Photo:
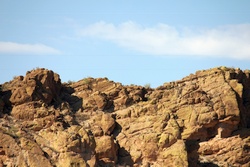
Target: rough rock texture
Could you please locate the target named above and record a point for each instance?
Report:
(38, 85)
(201, 120)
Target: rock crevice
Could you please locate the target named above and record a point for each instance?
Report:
(201, 120)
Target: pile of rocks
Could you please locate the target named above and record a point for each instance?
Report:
(200, 120)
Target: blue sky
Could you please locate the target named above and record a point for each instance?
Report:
(132, 42)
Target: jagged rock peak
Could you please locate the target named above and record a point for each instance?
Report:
(39, 84)
(200, 120)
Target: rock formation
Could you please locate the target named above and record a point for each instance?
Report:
(201, 120)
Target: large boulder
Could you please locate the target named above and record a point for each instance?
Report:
(231, 151)
(106, 150)
(24, 153)
(67, 146)
(38, 85)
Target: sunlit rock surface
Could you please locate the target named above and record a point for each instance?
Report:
(201, 120)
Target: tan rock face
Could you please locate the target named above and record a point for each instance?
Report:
(201, 120)
(40, 84)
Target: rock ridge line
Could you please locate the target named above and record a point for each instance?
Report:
(200, 120)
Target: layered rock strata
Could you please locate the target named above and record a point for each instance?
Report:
(201, 120)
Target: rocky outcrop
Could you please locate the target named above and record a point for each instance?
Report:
(201, 120)
(38, 85)
(104, 95)
(231, 151)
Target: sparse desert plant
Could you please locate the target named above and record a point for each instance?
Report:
(87, 80)
(70, 81)
(4, 87)
(147, 86)
(10, 130)
(37, 68)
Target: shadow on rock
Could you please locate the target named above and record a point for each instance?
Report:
(124, 157)
(117, 129)
(207, 165)
(192, 147)
(5, 105)
(74, 102)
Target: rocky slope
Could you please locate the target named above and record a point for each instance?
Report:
(201, 120)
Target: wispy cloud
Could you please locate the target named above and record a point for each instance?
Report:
(231, 41)
(19, 48)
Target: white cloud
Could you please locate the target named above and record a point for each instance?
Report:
(18, 48)
(231, 41)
